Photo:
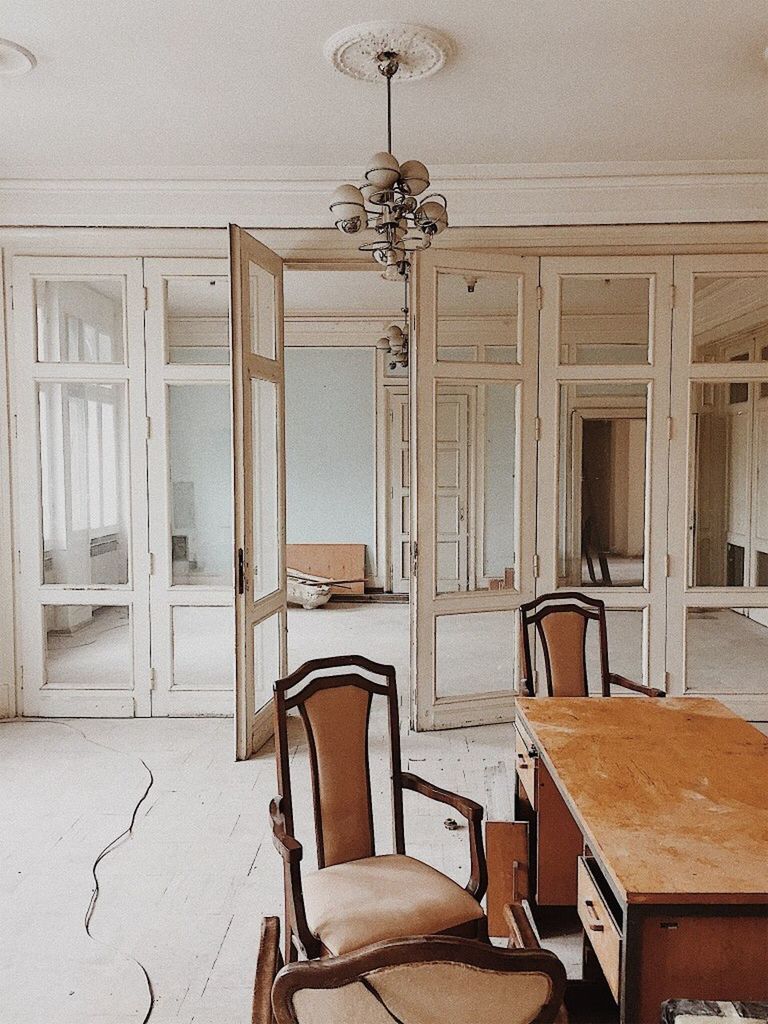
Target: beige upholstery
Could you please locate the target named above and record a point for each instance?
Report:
(337, 723)
(429, 993)
(564, 634)
(351, 905)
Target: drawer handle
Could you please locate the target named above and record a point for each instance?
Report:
(595, 925)
(522, 762)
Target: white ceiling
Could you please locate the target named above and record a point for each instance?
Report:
(148, 86)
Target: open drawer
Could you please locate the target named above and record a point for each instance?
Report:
(526, 764)
(599, 922)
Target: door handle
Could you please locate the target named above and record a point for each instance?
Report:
(240, 571)
(595, 925)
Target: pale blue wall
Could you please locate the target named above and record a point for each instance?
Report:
(330, 426)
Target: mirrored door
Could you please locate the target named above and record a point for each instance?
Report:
(258, 391)
(603, 458)
(473, 433)
(80, 486)
(190, 486)
(718, 588)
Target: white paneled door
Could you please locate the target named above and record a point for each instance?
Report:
(189, 406)
(473, 379)
(258, 391)
(80, 432)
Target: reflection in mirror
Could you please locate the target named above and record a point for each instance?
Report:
(730, 318)
(265, 501)
(726, 650)
(604, 320)
(625, 650)
(84, 464)
(262, 311)
(728, 526)
(197, 320)
(602, 472)
(474, 653)
(477, 317)
(88, 646)
(200, 484)
(80, 321)
(203, 648)
(266, 657)
(475, 486)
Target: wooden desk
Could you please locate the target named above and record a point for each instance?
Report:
(651, 817)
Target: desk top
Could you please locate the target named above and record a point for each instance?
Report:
(671, 795)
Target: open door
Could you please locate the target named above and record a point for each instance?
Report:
(258, 393)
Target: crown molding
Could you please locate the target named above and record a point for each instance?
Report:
(478, 195)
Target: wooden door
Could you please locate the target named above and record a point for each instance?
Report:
(605, 341)
(81, 486)
(258, 390)
(189, 406)
(473, 378)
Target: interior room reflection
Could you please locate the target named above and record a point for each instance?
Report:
(478, 317)
(602, 472)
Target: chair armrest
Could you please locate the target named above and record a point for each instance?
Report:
(268, 963)
(290, 849)
(469, 809)
(628, 684)
(521, 931)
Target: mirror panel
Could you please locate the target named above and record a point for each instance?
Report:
(477, 317)
(203, 648)
(730, 318)
(88, 646)
(80, 321)
(602, 484)
(197, 320)
(604, 320)
(726, 649)
(475, 653)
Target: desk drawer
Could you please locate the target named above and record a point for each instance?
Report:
(599, 925)
(526, 765)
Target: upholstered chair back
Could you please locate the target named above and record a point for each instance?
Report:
(425, 980)
(561, 621)
(334, 702)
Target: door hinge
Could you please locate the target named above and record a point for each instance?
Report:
(669, 428)
(240, 571)
(151, 564)
(537, 428)
(414, 558)
(15, 427)
(146, 297)
(10, 291)
(666, 566)
(152, 678)
(536, 566)
(148, 428)
(539, 297)
(672, 296)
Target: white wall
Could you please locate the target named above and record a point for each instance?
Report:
(330, 414)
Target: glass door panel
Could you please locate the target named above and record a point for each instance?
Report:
(474, 472)
(603, 474)
(718, 587)
(258, 384)
(190, 486)
(80, 470)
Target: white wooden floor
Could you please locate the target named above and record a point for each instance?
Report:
(184, 895)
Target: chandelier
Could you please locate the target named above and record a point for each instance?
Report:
(388, 200)
(394, 341)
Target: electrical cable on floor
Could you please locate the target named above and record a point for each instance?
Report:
(112, 845)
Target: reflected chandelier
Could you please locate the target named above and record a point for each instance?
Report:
(387, 201)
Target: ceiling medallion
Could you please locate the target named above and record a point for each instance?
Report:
(15, 59)
(386, 201)
(422, 51)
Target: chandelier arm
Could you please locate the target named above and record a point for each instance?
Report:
(389, 113)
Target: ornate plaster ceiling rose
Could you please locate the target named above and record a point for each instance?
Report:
(421, 51)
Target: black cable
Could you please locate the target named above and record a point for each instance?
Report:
(112, 845)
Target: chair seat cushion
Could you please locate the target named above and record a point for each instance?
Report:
(351, 905)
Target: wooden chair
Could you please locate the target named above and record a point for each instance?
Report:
(356, 897)
(561, 621)
(418, 980)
